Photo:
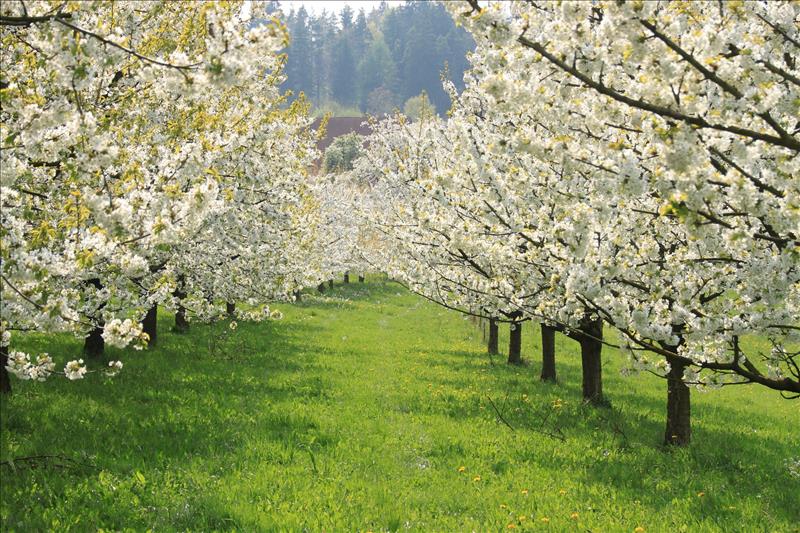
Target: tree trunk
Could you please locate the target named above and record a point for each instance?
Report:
(230, 309)
(181, 324)
(297, 296)
(361, 279)
(150, 325)
(493, 337)
(679, 427)
(330, 283)
(347, 276)
(515, 343)
(94, 345)
(5, 379)
(321, 288)
(591, 350)
(548, 353)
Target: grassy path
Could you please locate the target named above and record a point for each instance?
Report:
(368, 409)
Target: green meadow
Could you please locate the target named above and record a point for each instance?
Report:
(371, 409)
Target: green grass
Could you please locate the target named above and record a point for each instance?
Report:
(356, 413)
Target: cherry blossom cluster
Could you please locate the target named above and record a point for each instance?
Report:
(630, 162)
(147, 158)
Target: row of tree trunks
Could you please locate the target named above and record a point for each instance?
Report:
(330, 283)
(361, 279)
(515, 347)
(347, 276)
(321, 288)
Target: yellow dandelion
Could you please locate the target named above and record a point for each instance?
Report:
(639, 529)
(544, 520)
(476, 478)
(574, 516)
(503, 506)
(562, 492)
(701, 494)
(522, 518)
(524, 492)
(462, 468)
(511, 526)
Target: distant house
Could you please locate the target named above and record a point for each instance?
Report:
(338, 126)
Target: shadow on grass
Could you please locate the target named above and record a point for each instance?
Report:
(194, 405)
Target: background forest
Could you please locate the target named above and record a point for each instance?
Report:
(356, 62)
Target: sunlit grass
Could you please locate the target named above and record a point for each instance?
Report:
(368, 409)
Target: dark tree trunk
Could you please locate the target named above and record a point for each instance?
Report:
(181, 324)
(548, 353)
(94, 345)
(150, 325)
(297, 296)
(330, 283)
(361, 279)
(679, 426)
(591, 350)
(515, 343)
(230, 308)
(321, 288)
(493, 337)
(347, 277)
(5, 379)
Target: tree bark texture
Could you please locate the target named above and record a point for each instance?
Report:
(5, 378)
(181, 324)
(94, 345)
(515, 343)
(548, 353)
(150, 325)
(591, 337)
(492, 347)
(679, 423)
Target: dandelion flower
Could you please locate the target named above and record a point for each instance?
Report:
(544, 520)
(462, 468)
(476, 478)
(639, 529)
(574, 516)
